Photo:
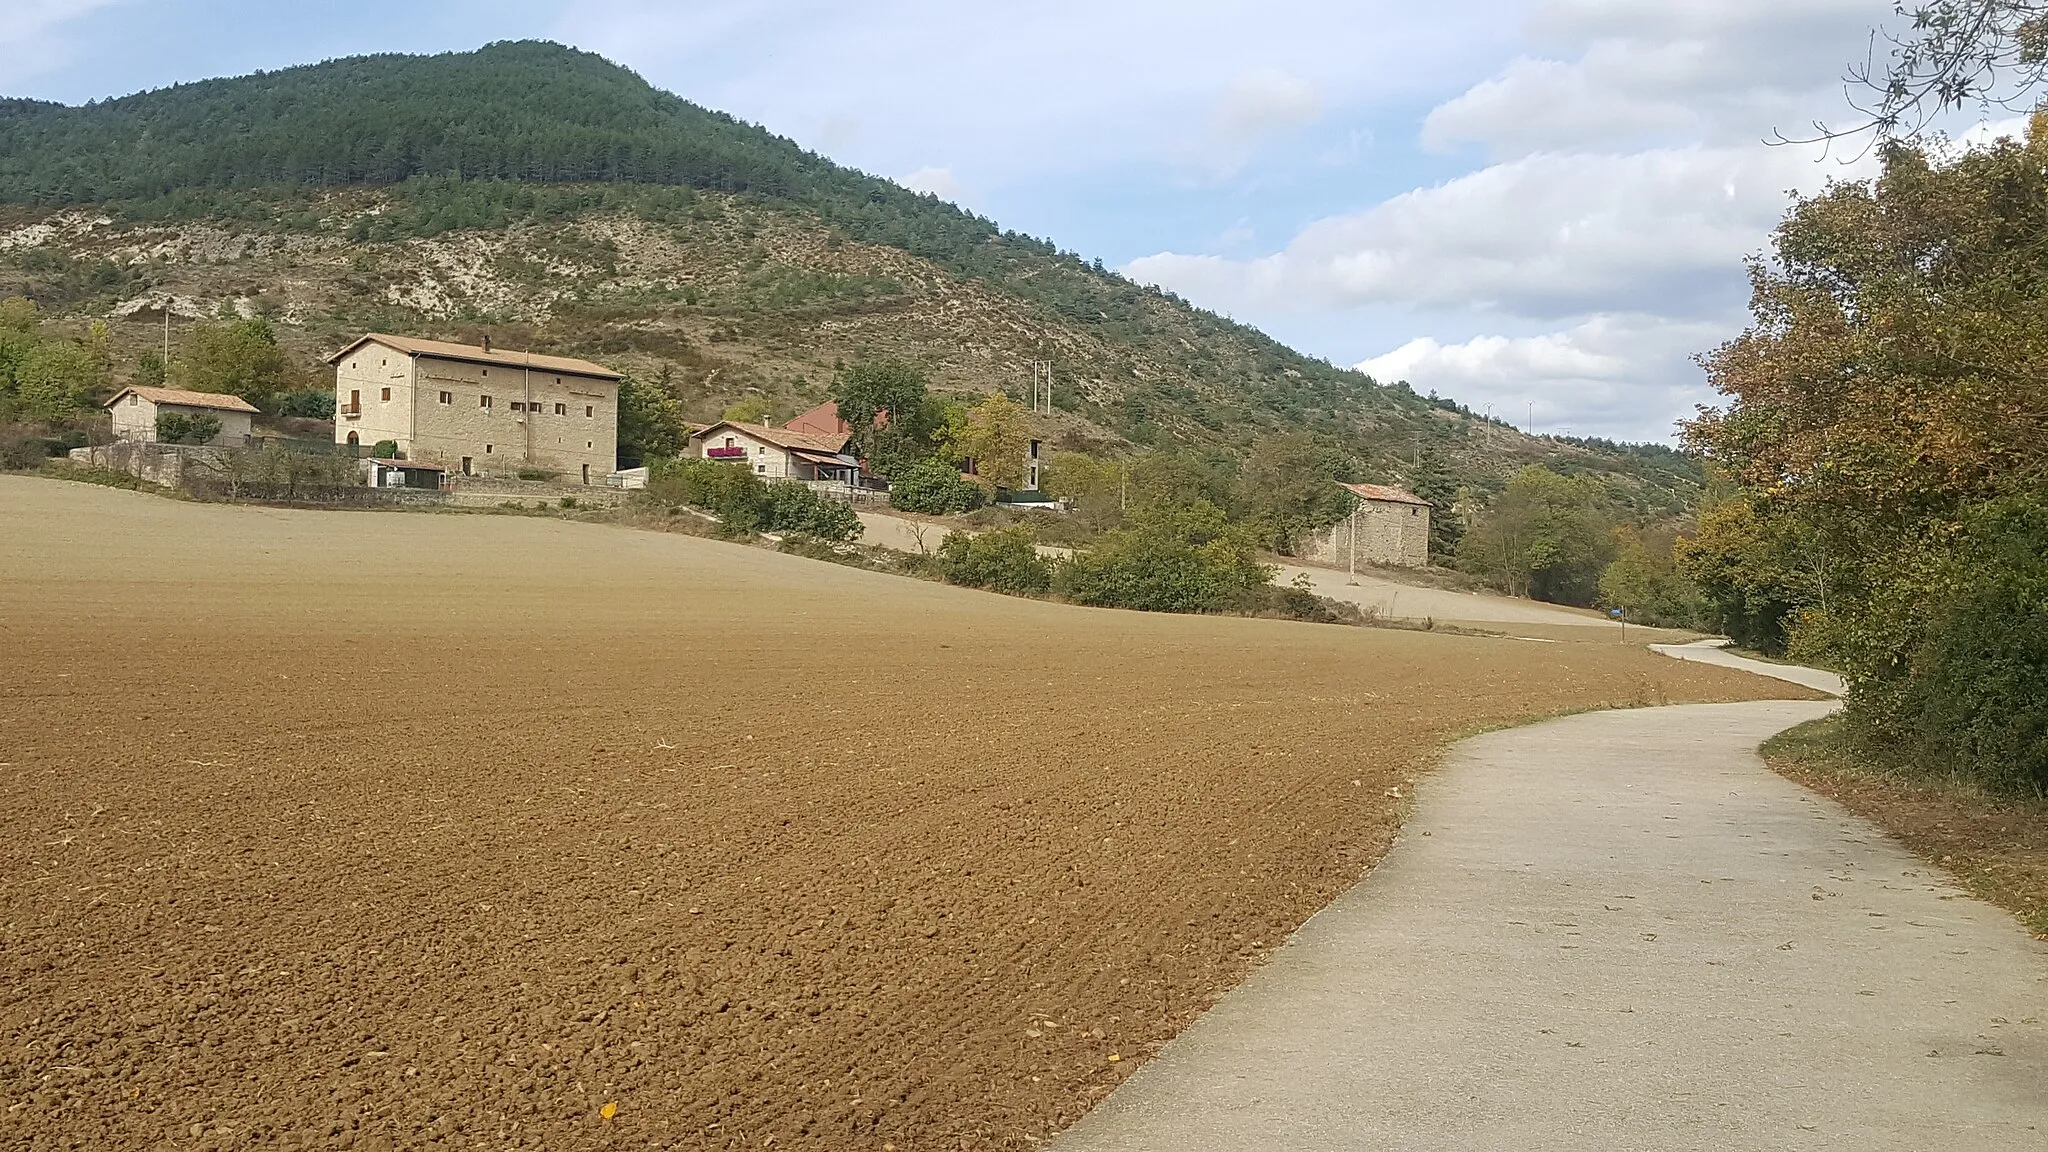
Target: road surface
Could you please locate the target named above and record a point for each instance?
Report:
(1620, 930)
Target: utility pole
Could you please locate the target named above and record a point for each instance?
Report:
(1354, 542)
(1041, 370)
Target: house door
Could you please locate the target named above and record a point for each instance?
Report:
(586, 473)
(354, 441)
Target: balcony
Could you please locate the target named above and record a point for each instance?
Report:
(349, 411)
(725, 453)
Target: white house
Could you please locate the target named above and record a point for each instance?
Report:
(779, 453)
(136, 409)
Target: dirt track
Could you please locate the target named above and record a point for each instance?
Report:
(381, 830)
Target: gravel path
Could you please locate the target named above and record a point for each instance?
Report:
(1619, 930)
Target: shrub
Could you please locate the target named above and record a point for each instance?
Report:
(744, 504)
(178, 428)
(1972, 700)
(935, 488)
(792, 507)
(312, 404)
(1179, 562)
(568, 501)
(538, 474)
(385, 450)
(1004, 560)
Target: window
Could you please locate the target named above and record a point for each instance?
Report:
(561, 409)
(728, 441)
(134, 399)
(487, 371)
(518, 407)
(465, 465)
(760, 467)
(487, 449)
(589, 411)
(447, 398)
(385, 394)
(483, 401)
(590, 443)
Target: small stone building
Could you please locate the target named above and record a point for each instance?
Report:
(478, 411)
(135, 410)
(1390, 527)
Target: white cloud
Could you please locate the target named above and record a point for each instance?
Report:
(939, 182)
(1544, 237)
(1623, 376)
(1253, 111)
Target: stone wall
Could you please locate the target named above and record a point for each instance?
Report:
(1389, 532)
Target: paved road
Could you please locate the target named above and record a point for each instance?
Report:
(1715, 652)
(1620, 931)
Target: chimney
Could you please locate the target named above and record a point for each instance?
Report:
(487, 341)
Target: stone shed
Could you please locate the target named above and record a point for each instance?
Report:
(1390, 527)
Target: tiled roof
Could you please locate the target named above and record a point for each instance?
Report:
(477, 355)
(780, 437)
(186, 399)
(407, 465)
(1388, 494)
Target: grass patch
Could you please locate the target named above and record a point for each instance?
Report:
(1995, 846)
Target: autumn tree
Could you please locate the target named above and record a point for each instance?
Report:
(994, 433)
(1892, 387)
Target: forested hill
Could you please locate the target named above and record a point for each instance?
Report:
(669, 228)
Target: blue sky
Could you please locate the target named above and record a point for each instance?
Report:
(1521, 203)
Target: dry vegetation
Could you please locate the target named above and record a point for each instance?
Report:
(374, 830)
(1997, 847)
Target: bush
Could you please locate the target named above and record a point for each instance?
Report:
(1179, 562)
(744, 504)
(792, 507)
(178, 428)
(385, 450)
(311, 404)
(538, 474)
(1972, 700)
(935, 488)
(1004, 560)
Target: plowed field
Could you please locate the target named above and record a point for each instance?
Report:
(375, 830)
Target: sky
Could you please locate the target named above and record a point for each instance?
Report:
(1541, 208)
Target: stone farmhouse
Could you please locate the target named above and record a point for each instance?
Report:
(1391, 526)
(478, 411)
(816, 457)
(134, 411)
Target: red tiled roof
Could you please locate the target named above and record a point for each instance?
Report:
(185, 399)
(405, 465)
(1385, 493)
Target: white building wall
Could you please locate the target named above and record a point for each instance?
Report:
(763, 459)
(134, 418)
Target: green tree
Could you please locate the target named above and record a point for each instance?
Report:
(241, 358)
(650, 423)
(1432, 481)
(53, 379)
(887, 403)
(1545, 537)
(751, 409)
(1289, 488)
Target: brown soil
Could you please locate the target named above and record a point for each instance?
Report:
(372, 830)
(1994, 846)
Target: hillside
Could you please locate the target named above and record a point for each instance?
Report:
(562, 202)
